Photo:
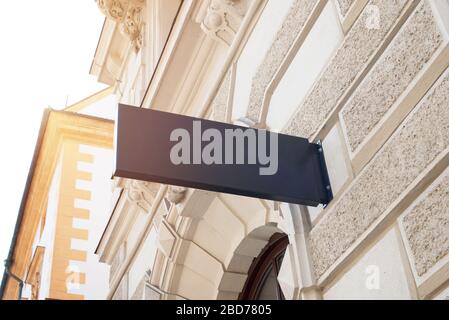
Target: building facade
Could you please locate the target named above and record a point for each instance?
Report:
(65, 206)
(367, 78)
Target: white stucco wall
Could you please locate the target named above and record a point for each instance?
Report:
(104, 108)
(254, 52)
(319, 47)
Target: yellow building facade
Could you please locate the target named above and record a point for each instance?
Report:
(52, 249)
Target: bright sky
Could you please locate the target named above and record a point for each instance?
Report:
(47, 47)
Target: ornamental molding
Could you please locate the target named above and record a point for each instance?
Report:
(141, 194)
(221, 19)
(176, 194)
(128, 14)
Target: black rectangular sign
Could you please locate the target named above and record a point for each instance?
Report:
(179, 150)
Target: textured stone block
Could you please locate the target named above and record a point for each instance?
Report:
(359, 45)
(407, 55)
(283, 41)
(427, 227)
(345, 5)
(422, 137)
(220, 102)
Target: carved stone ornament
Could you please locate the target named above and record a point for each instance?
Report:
(176, 194)
(128, 15)
(222, 19)
(141, 194)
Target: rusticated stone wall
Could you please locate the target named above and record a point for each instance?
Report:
(359, 45)
(408, 54)
(345, 5)
(427, 227)
(418, 142)
(283, 41)
(389, 77)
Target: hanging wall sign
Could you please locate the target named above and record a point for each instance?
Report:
(202, 154)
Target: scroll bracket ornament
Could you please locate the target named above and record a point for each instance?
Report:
(128, 14)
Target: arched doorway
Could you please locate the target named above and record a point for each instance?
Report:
(262, 283)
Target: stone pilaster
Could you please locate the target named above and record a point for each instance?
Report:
(297, 278)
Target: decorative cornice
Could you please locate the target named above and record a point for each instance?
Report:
(128, 14)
